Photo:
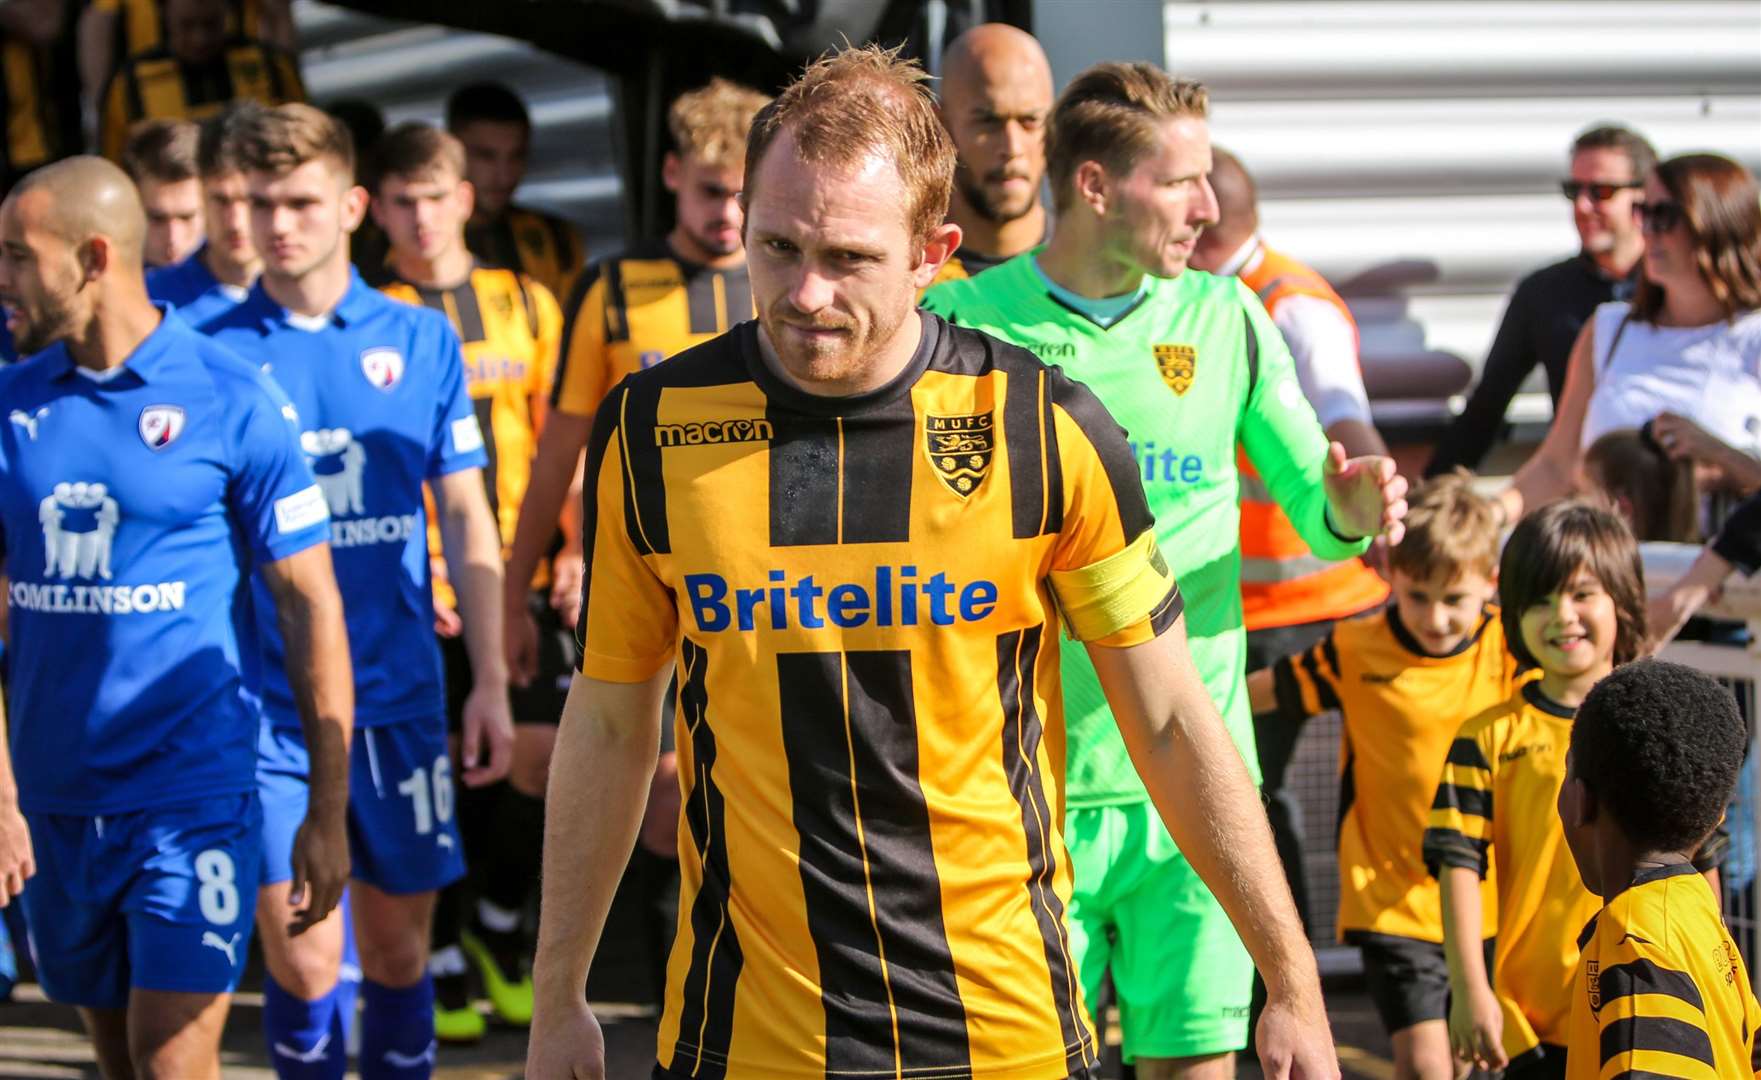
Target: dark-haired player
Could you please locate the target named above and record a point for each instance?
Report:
(1660, 989)
(160, 157)
(495, 127)
(220, 272)
(509, 325)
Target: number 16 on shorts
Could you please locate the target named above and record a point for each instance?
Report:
(403, 837)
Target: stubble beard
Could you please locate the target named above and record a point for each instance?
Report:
(53, 321)
(976, 197)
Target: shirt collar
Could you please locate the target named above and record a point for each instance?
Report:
(1643, 877)
(355, 304)
(150, 358)
(1247, 258)
(1533, 695)
(1404, 637)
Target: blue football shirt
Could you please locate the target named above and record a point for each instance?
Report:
(380, 389)
(192, 289)
(132, 510)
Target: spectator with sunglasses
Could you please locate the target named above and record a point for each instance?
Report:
(1608, 167)
(1688, 344)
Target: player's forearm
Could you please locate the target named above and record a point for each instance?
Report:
(599, 777)
(472, 547)
(570, 518)
(1461, 929)
(553, 471)
(309, 611)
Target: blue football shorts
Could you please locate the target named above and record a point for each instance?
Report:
(155, 899)
(402, 834)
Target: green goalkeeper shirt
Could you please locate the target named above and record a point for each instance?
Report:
(1191, 372)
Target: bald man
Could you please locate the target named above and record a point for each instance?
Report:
(996, 94)
(173, 468)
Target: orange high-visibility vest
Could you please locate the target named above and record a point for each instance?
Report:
(1282, 582)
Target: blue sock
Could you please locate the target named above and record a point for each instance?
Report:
(305, 1037)
(397, 1031)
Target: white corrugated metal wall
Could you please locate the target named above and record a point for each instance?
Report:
(1411, 151)
(409, 69)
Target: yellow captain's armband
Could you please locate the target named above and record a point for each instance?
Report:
(1115, 593)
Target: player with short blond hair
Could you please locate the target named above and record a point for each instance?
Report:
(1192, 366)
(846, 524)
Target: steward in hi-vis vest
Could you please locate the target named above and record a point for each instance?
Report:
(1282, 582)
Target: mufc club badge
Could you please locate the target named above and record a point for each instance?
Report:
(1177, 363)
(160, 425)
(383, 366)
(959, 447)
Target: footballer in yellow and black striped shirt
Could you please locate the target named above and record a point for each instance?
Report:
(492, 123)
(642, 305)
(509, 325)
(1660, 988)
(860, 533)
(30, 129)
(198, 68)
(110, 31)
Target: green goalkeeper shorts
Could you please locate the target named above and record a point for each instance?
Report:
(1183, 980)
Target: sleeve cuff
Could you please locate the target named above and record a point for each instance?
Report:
(1441, 856)
(1332, 527)
(459, 463)
(282, 547)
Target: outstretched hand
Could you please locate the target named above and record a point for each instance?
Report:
(1366, 495)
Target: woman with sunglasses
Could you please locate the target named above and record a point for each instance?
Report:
(1687, 345)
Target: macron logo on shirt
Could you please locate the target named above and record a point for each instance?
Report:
(79, 520)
